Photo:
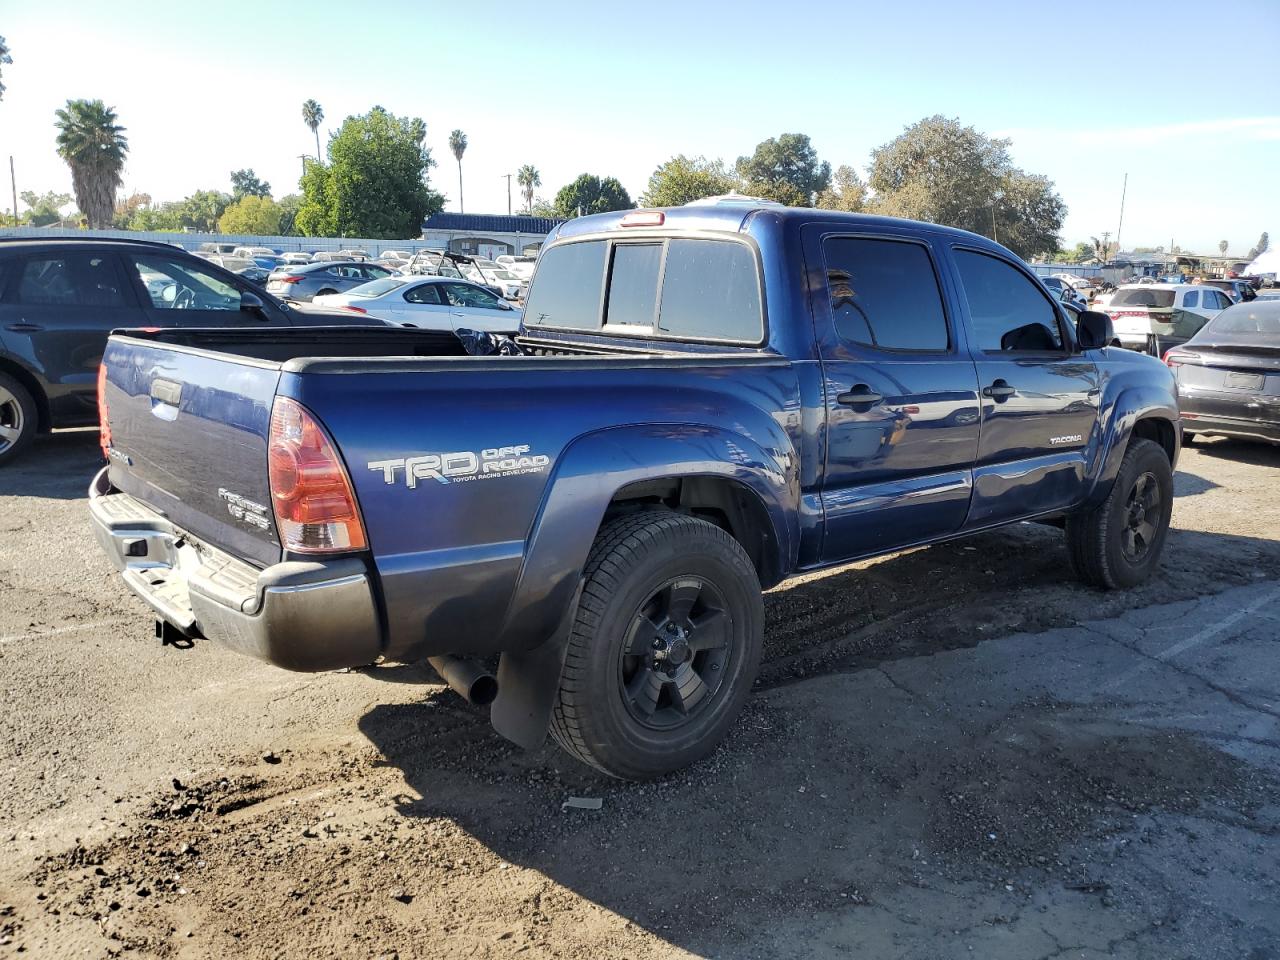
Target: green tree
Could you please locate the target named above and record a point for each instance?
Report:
(312, 114)
(290, 204)
(375, 184)
(458, 146)
(683, 179)
(252, 214)
(1261, 247)
(5, 60)
(847, 192)
(44, 208)
(203, 209)
(785, 169)
(528, 178)
(245, 183)
(165, 218)
(942, 172)
(543, 208)
(591, 194)
(94, 147)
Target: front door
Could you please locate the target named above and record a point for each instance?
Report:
(1039, 393)
(56, 310)
(901, 393)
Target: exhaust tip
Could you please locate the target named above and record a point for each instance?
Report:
(484, 690)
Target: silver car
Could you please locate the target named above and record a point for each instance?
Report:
(302, 282)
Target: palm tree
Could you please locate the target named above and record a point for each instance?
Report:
(312, 114)
(94, 146)
(4, 59)
(528, 178)
(1222, 247)
(458, 144)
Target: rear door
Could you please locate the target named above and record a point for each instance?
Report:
(1039, 394)
(56, 310)
(901, 393)
(178, 292)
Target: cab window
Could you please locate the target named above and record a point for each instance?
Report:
(1008, 313)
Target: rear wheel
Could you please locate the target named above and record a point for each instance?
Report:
(664, 647)
(18, 418)
(1118, 543)
(325, 292)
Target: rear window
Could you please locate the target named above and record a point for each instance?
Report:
(694, 289)
(1138, 297)
(1252, 323)
(375, 288)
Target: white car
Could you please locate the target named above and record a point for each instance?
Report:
(431, 303)
(1139, 310)
(296, 257)
(490, 274)
(522, 267)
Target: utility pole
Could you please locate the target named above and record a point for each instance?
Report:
(1106, 235)
(1123, 191)
(13, 182)
(304, 157)
(508, 176)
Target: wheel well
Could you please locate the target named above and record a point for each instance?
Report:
(24, 377)
(730, 505)
(1159, 430)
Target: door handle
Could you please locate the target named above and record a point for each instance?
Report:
(860, 395)
(23, 327)
(999, 391)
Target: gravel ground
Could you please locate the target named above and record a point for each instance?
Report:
(953, 752)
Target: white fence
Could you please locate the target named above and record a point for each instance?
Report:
(192, 241)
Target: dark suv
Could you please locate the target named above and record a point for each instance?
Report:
(60, 297)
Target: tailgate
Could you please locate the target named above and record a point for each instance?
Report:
(188, 436)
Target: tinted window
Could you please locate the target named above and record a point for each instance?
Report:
(566, 287)
(1192, 299)
(465, 295)
(1255, 323)
(710, 291)
(424, 293)
(1007, 311)
(884, 294)
(76, 279)
(633, 284)
(1139, 297)
(181, 285)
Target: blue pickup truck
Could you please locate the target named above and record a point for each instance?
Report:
(706, 400)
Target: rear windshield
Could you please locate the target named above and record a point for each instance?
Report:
(375, 288)
(677, 288)
(1256, 323)
(1137, 297)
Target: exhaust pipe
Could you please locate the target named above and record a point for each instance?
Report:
(474, 684)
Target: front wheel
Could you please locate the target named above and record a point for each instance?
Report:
(664, 646)
(1118, 543)
(19, 419)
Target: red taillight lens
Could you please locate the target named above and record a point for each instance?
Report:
(315, 505)
(1171, 359)
(355, 309)
(104, 425)
(289, 279)
(644, 218)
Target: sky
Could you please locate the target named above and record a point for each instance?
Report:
(1087, 92)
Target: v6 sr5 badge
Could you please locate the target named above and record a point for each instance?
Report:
(462, 466)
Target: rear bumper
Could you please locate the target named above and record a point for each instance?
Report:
(299, 615)
(1223, 414)
(1215, 426)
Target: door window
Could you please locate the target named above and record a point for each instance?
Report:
(180, 285)
(885, 295)
(465, 295)
(427, 293)
(74, 279)
(1192, 299)
(1008, 313)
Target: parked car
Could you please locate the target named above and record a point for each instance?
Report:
(1064, 291)
(60, 297)
(603, 512)
(431, 303)
(251, 253)
(1229, 374)
(521, 266)
(508, 285)
(295, 257)
(301, 283)
(386, 255)
(444, 263)
(1239, 291)
(1142, 310)
(329, 256)
(227, 249)
(356, 254)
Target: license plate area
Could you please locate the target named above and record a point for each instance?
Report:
(1244, 381)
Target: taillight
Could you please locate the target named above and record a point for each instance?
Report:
(315, 505)
(104, 427)
(290, 279)
(1171, 359)
(354, 309)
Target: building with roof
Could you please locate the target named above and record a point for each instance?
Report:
(487, 235)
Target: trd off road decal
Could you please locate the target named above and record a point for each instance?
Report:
(462, 466)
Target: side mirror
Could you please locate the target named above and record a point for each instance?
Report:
(253, 303)
(1094, 330)
(504, 305)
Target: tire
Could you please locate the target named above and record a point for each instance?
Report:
(1188, 439)
(1117, 545)
(19, 419)
(322, 293)
(636, 716)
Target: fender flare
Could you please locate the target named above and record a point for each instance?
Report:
(1117, 420)
(587, 477)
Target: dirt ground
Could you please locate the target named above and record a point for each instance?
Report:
(952, 752)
